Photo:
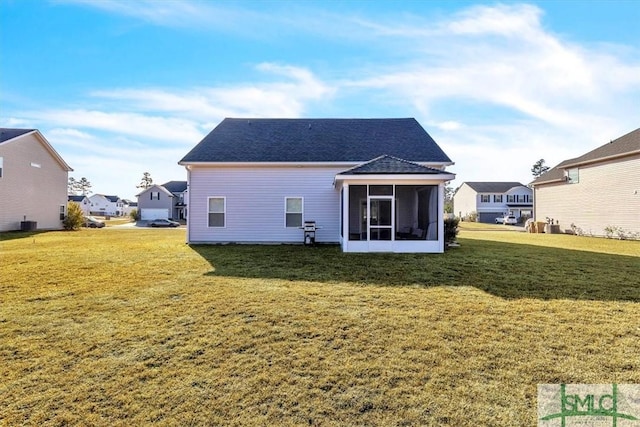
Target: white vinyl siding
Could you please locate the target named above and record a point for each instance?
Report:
(293, 211)
(217, 209)
(254, 198)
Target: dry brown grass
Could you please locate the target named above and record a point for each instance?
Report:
(133, 327)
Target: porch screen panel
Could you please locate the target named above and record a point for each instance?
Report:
(357, 212)
(428, 211)
(432, 230)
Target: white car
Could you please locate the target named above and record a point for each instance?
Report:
(507, 219)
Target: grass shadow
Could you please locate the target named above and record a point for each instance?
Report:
(506, 270)
(17, 234)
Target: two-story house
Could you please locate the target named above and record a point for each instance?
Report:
(490, 200)
(105, 205)
(33, 181)
(83, 202)
(163, 201)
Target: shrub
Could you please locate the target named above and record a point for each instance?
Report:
(451, 229)
(74, 218)
(134, 214)
(471, 217)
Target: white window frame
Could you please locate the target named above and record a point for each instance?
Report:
(224, 211)
(485, 198)
(1, 166)
(63, 212)
(301, 213)
(576, 173)
(497, 198)
(157, 193)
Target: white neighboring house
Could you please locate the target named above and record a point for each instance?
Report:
(33, 181)
(104, 205)
(493, 199)
(83, 202)
(369, 184)
(128, 206)
(598, 190)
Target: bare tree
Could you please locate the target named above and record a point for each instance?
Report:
(83, 186)
(72, 186)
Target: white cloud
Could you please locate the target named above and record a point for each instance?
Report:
(495, 87)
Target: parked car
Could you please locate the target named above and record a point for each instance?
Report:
(92, 222)
(163, 223)
(507, 219)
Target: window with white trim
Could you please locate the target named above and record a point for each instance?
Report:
(497, 198)
(1, 167)
(155, 195)
(63, 212)
(217, 211)
(293, 211)
(573, 176)
(485, 198)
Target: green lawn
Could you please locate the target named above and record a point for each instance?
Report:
(132, 327)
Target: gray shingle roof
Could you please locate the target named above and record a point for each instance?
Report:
(626, 144)
(9, 133)
(175, 186)
(492, 187)
(74, 198)
(390, 165)
(316, 140)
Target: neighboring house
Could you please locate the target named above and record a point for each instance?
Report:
(83, 202)
(155, 202)
(596, 190)
(493, 199)
(33, 181)
(179, 191)
(104, 205)
(128, 206)
(369, 184)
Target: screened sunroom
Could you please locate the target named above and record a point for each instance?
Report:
(391, 205)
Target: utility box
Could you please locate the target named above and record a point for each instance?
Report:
(28, 225)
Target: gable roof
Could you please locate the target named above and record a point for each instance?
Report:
(8, 133)
(626, 145)
(492, 187)
(175, 186)
(315, 140)
(157, 187)
(386, 164)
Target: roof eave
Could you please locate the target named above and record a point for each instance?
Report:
(340, 164)
(601, 159)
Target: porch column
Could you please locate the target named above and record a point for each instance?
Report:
(441, 216)
(345, 216)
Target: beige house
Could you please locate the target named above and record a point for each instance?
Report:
(596, 191)
(33, 181)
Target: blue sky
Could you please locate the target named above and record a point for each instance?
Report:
(125, 87)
